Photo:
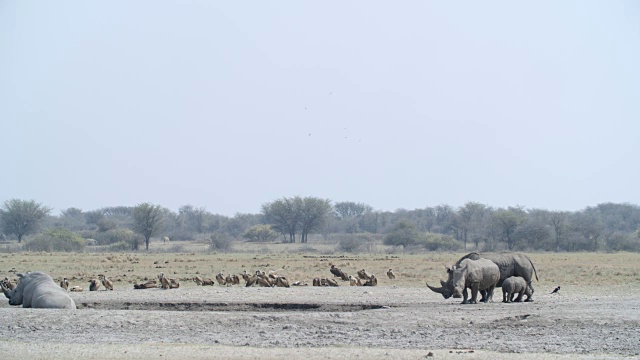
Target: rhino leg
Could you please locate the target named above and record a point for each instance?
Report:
(483, 294)
(474, 293)
(530, 295)
(465, 296)
(520, 296)
(490, 294)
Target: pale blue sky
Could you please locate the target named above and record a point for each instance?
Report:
(408, 104)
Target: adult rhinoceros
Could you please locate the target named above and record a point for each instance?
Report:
(38, 290)
(476, 275)
(510, 264)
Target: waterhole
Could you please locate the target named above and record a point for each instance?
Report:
(207, 306)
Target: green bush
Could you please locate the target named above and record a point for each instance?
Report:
(260, 233)
(114, 236)
(440, 242)
(349, 244)
(121, 246)
(220, 242)
(52, 240)
(404, 233)
(623, 242)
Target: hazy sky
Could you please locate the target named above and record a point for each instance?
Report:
(229, 105)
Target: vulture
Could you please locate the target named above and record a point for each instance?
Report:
(363, 275)
(64, 284)
(316, 282)
(164, 282)
(390, 274)
(94, 285)
(282, 281)
(220, 279)
(108, 284)
(337, 272)
(331, 282)
(372, 281)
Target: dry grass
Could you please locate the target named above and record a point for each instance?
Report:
(578, 270)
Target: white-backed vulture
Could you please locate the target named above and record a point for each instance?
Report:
(236, 279)
(373, 281)
(164, 282)
(317, 282)
(282, 281)
(198, 280)
(391, 275)
(264, 281)
(108, 284)
(64, 284)
(174, 284)
(339, 273)
(148, 285)
(94, 285)
(246, 277)
(220, 279)
(229, 280)
(363, 275)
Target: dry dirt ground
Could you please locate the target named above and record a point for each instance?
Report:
(311, 322)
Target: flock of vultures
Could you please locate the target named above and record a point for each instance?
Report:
(479, 273)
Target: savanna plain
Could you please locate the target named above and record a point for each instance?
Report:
(596, 314)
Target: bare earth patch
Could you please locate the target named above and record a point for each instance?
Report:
(311, 322)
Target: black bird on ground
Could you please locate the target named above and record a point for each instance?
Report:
(555, 291)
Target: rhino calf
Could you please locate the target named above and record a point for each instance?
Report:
(514, 285)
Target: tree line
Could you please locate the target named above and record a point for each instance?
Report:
(473, 226)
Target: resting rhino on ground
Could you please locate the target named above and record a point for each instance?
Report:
(481, 274)
(510, 264)
(514, 285)
(38, 290)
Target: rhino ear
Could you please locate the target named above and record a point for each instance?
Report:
(443, 284)
(20, 275)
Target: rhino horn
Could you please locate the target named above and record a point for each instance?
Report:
(435, 289)
(443, 284)
(5, 290)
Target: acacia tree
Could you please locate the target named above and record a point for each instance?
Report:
(507, 221)
(147, 219)
(466, 216)
(313, 213)
(284, 215)
(22, 217)
(346, 209)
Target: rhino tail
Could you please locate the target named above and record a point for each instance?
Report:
(534, 268)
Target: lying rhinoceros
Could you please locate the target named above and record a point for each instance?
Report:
(510, 264)
(38, 290)
(481, 274)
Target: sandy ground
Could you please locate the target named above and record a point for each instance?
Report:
(313, 322)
